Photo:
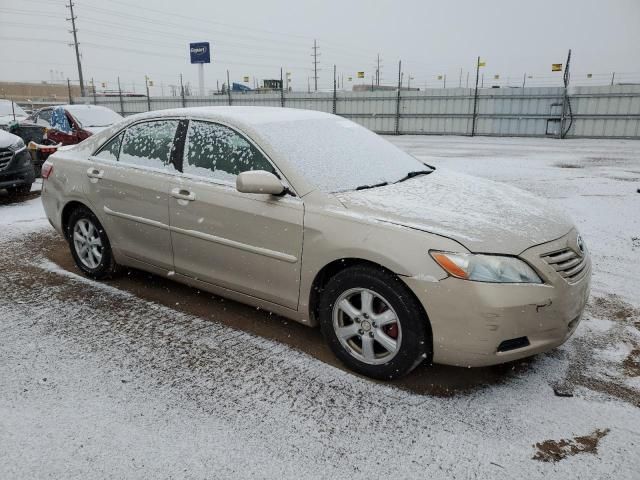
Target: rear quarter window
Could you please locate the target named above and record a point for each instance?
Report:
(111, 149)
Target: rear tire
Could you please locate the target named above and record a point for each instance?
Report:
(373, 323)
(90, 245)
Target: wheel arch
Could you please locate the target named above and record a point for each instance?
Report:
(67, 210)
(336, 266)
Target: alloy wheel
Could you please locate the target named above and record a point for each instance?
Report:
(87, 243)
(367, 326)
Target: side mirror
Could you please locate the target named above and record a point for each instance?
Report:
(259, 181)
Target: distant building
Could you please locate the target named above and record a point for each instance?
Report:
(22, 92)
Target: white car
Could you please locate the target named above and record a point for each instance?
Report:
(10, 112)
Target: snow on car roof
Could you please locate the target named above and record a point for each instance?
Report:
(240, 114)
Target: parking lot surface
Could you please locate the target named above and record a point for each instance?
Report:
(140, 377)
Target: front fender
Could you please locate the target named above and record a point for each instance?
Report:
(332, 234)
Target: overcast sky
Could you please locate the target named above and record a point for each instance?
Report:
(256, 37)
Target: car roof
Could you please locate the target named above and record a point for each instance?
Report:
(248, 116)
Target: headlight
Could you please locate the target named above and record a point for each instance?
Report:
(486, 268)
(19, 145)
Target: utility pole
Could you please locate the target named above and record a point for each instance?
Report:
(334, 90)
(397, 125)
(120, 95)
(475, 100)
(229, 85)
(613, 77)
(74, 30)
(565, 99)
(460, 81)
(146, 84)
(524, 79)
(70, 97)
(93, 87)
(315, 56)
(182, 92)
(281, 89)
(378, 71)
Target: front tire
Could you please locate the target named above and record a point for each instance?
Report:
(90, 245)
(373, 323)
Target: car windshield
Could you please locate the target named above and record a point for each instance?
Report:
(90, 116)
(7, 109)
(338, 155)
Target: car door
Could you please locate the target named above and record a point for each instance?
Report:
(128, 184)
(244, 242)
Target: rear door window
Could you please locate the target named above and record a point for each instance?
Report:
(215, 151)
(149, 144)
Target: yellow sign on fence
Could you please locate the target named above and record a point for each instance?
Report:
(360, 74)
(556, 67)
(482, 63)
(245, 79)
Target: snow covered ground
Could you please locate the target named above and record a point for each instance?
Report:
(101, 381)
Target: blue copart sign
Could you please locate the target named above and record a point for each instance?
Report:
(200, 52)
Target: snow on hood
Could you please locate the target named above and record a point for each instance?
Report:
(482, 215)
(7, 119)
(7, 139)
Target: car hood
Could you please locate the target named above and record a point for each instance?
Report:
(7, 119)
(7, 139)
(482, 215)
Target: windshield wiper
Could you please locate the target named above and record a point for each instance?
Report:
(414, 174)
(364, 187)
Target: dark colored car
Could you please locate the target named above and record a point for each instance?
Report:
(16, 169)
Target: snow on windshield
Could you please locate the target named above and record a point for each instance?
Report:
(338, 155)
(6, 109)
(90, 116)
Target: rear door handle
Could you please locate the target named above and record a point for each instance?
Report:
(182, 194)
(95, 173)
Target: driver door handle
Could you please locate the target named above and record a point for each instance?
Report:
(95, 173)
(183, 194)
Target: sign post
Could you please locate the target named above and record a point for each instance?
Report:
(200, 54)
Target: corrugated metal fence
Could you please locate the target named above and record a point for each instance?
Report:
(606, 111)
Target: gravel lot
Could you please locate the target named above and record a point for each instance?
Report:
(144, 378)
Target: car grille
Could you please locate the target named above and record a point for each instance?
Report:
(5, 157)
(569, 264)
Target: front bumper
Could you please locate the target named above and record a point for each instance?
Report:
(472, 322)
(18, 171)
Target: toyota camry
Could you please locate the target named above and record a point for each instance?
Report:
(318, 219)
